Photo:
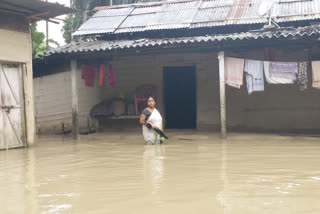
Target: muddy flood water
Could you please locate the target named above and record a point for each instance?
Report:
(191, 173)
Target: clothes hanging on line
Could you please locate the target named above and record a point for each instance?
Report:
(88, 74)
(101, 74)
(274, 80)
(303, 75)
(254, 75)
(111, 79)
(316, 74)
(286, 70)
(234, 71)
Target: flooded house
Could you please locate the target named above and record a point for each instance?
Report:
(184, 54)
(17, 124)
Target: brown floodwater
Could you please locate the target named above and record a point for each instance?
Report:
(115, 172)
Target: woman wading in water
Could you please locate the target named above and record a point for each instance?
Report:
(152, 116)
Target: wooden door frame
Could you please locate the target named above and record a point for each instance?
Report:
(20, 69)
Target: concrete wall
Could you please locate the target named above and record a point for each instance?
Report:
(53, 102)
(280, 108)
(15, 46)
(131, 72)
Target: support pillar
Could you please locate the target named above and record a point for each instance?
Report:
(222, 95)
(74, 92)
(29, 103)
(27, 76)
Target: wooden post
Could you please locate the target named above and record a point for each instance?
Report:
(27, 74)
(222, 95)
(74, 91)
(29, 102)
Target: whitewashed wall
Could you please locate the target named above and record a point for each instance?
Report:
(53, 101)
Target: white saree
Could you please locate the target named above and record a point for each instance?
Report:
(150, 136)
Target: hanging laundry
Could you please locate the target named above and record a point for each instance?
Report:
(274, 80)
(111, 79)
(88, 74)
(302, 75)
(234, 71)
(101, 74)
(287, 70)
(316, 74)
(254, 75)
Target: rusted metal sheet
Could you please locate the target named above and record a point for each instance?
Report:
(194, 14)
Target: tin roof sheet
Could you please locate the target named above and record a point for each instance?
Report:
(78, 47)
(194, 14)
(42, 9)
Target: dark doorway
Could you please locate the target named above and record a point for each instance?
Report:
(180, 97)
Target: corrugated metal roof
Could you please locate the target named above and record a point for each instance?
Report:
(44, 9)
(104, 21)
(194, 14)
(79, 47)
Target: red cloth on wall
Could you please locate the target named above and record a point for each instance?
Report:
(111, 79)
(88, 74)
(101, 74)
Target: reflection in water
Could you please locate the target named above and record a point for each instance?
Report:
(117, 173)
(153, 166)
(31, 185)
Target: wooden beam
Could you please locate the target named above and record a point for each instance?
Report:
(49, 20)
(59, 19)
(37, 14)
(222, 95)
(75, 106)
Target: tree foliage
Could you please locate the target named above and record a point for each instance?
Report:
(38, 42)
(84, 10)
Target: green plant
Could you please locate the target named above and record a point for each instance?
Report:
(39, 46)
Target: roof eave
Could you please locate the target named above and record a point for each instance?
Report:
(34, 10)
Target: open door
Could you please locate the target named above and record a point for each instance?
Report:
(180, 97)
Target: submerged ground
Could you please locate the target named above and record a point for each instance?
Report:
(114, 172)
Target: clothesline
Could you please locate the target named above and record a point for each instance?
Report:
(274, 73)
